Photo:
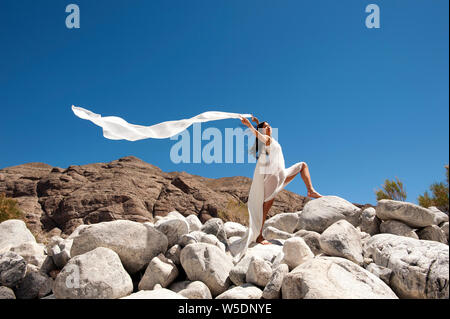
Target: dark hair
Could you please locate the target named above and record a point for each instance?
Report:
(260, 125)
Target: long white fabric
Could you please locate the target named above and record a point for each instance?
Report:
(116, 128)
(268, 178)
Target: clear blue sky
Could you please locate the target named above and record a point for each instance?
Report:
(358, 105)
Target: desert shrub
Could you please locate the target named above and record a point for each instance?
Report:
(235, 211)
(9, 208)
(391, 190)
(439, 195)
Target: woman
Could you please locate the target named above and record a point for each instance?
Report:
(269, 178)
(271, 166)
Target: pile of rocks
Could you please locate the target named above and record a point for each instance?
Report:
(330, 249)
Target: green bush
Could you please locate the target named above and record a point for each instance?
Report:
(9, 208)
(439, 195)
(235, 211)
(391, 190)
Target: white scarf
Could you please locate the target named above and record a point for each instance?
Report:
(116, 128)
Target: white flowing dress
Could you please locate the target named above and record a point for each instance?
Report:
(268, 178)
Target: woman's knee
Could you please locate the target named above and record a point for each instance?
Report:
(301, 166)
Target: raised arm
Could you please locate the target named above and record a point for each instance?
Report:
(254, 119)
(262, 137)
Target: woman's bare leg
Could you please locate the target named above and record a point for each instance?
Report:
(304, 172)
(307, 180)
(266, 207)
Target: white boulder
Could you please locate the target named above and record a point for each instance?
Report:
(209, 264)
(320, 213)
(259, 272)
(135, 243)
(234, 229)
(273, 287)
(14, 232)
(342, 240)
(419, 267)
(160, 270)
(434, 233)
(286, 222)
(398, 228)
(173, 228)
(333, 278)
(245, 291)
(193, 222)
(412, 215)
(97, 274)
(296, 251)
(191, 289)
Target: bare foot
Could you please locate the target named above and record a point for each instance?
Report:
(262, 241)
(312, 193)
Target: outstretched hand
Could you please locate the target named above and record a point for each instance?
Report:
(254, 119)
(245, 121)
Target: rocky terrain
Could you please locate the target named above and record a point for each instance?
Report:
(149, 234)
(329, 249)
(58, 200)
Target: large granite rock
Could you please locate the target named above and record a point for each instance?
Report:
(13, 269)
(444, 228)
(191, 238)
(333, 278)
(433, 232)
(160, 271)
(311, 238)
(191, 289)
(412, 215)
(215, 226)
(398, 228)
(246, 291)
(193, 222)
(296, 251)
(320, 213)
(266, 252)
(419, 267)
(59, 250)
(381, 272)
(370, 223)
(439, 216)
(342, 240)
(259, 272)
(208, 264)
(270, 233)
(173, 253)
(32, 252)
(173, 228)
(286, 222)
(34, 285)
(234, 229)
(97, 274)
(6, 293)
(13, 233)
(273, 287)
(135, 243)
